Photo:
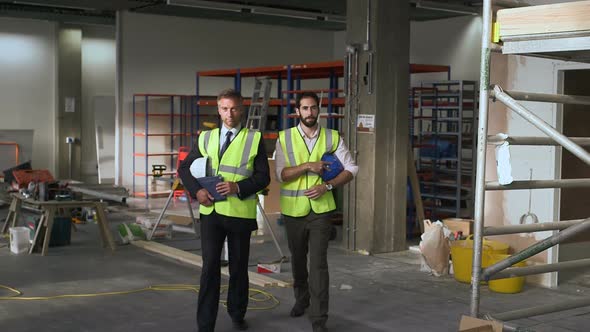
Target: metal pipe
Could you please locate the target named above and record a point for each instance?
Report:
(536, 248)
(539, 269)
(542, 309)
(272, 233)
(161, 216)
(482, 133)
(525, 140)
(367, 46)
(542, 125)
(119, 98)
(98, 194)
(354, 138)
(370, 74)
(347, 131)
(549, 98)
(352, 84)
(539, 184)
(529, 228)
(70, 159)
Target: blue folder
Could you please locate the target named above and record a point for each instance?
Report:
(209, 183)
(333, 168)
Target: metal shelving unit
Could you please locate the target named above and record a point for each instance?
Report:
(290, 79)
(443, 122)
(168, 122)
(283, 102)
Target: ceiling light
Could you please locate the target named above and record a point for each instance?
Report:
(227, 7)
(40, 4)
(445, 7)
(296, 14)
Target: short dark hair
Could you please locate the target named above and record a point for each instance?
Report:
(307, 94)
(230, 94)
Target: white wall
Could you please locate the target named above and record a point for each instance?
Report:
(28, 82)
(542, 76)
(98, 79)
(453, 41)
(339, 45)
(157, 60)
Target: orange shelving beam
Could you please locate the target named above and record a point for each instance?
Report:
(159, 95)
(309, 70)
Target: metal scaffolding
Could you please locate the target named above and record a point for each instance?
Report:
(567, 228)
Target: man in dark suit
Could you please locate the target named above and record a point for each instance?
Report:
(238, 155)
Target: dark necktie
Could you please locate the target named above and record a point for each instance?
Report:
(226, 143)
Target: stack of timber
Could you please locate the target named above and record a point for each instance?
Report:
(192, 259)
(546, 19)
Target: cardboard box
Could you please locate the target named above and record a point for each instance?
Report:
(456, 225)
(272, 201)
(470, 324)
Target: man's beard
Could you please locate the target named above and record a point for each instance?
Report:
(308, 122)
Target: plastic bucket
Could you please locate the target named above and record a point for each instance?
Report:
(506, 285)
(19, 239)
(462, 256)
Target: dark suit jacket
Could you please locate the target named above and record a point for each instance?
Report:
(249, 186)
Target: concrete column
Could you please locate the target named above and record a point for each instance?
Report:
(69, 92)
(377, 224)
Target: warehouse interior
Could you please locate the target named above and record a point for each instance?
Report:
(451, 112)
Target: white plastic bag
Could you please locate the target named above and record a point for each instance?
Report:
(503, 165)
(435, 247)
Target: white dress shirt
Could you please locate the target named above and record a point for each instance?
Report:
(224, 131)
(341, 152)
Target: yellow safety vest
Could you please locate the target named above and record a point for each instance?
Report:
(294, 203)
(237, 163)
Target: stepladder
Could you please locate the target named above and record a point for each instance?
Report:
(259, 104)
(176, 185)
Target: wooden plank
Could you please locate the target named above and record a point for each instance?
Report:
(103, 225)
(415, 185)
(196, 260)
(49, 222)
(554, 18)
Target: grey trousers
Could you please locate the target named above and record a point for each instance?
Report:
(310, 234)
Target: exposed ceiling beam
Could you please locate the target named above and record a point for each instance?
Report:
(258, 10)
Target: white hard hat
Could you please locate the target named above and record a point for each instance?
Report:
(199, 167)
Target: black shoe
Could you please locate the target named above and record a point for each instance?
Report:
(319, 328)
(298, 310)
(240, 325)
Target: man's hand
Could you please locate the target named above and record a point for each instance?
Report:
(317, 167)
(316, 191)
(227, 188)
(204, 197)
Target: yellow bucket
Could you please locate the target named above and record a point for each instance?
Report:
(462, 256)
(506, 285)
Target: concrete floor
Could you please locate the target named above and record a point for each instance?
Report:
(368, 293)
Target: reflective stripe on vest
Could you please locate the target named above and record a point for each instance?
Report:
(237, 163)
(294, 203)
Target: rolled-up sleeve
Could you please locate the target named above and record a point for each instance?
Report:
(279, 161)
(345, 158)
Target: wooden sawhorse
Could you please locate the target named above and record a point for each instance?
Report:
(48, 211)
